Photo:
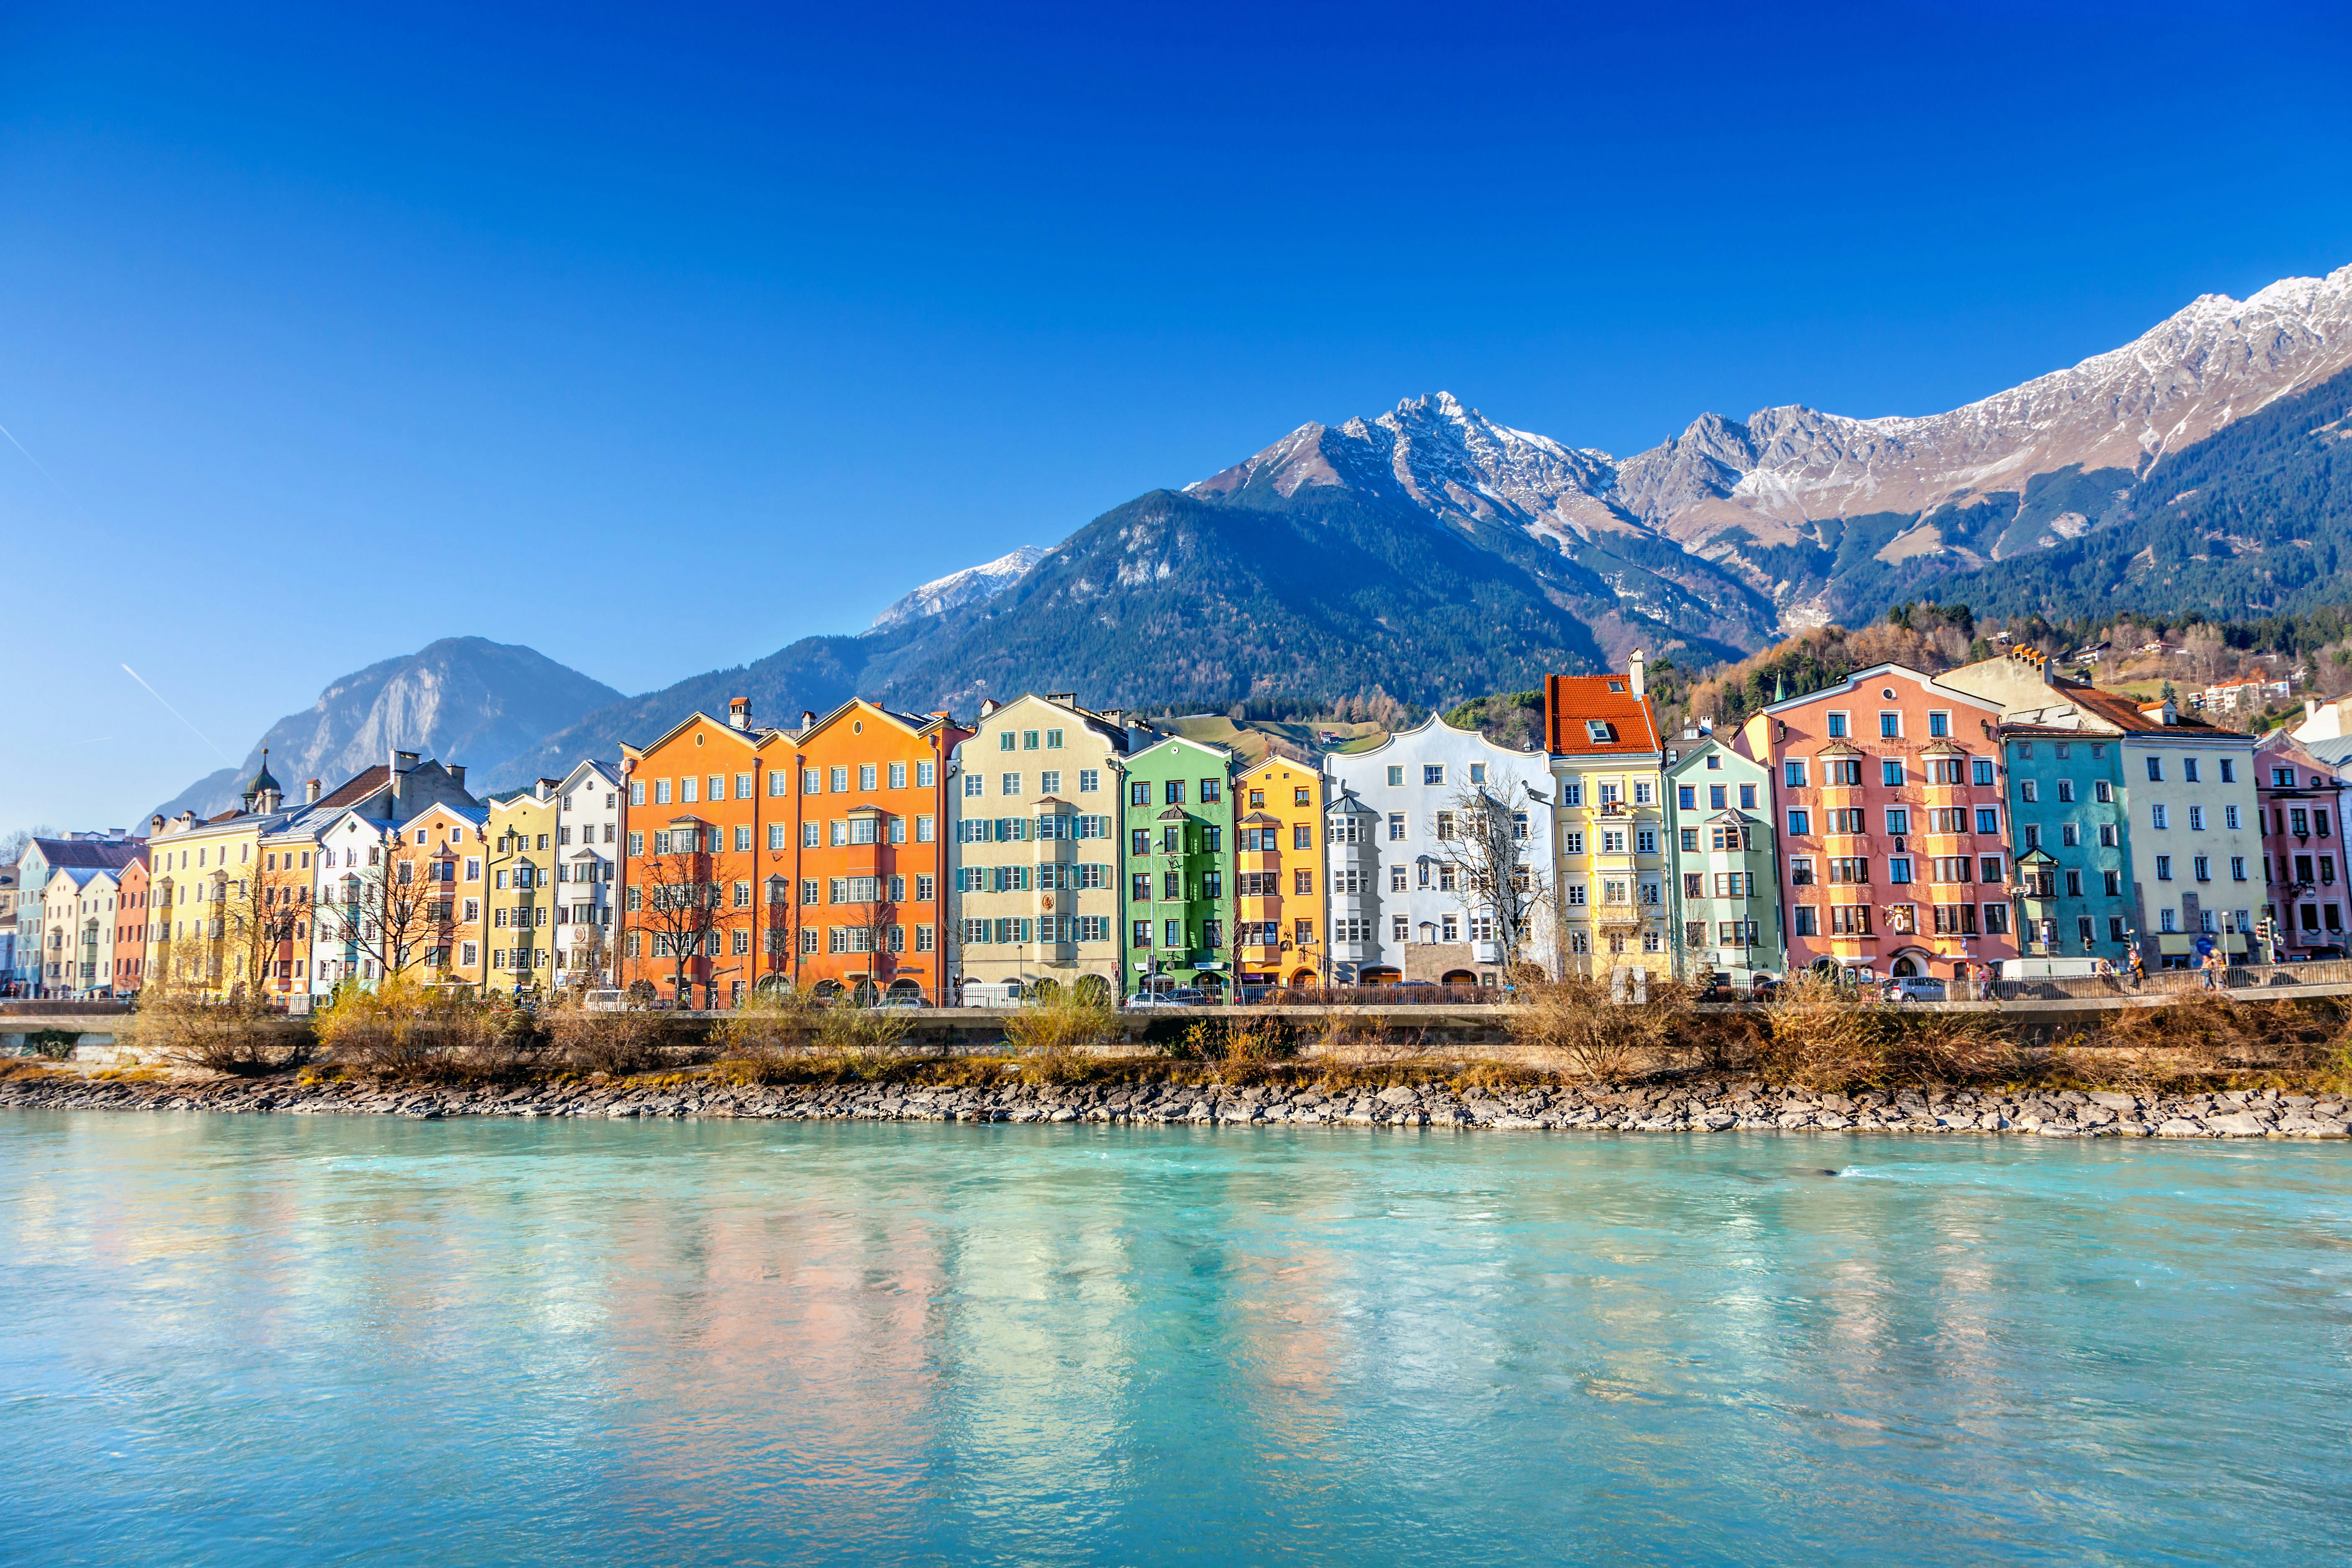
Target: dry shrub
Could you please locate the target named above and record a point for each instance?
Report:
(1253, 1039)
(622, 1041)
(861, 1042)
(1056, 1034)
(1574, 1021)
(1367, 1040)
(768, 1036)
(1824, 1035)
(242, 1036)
(405, 1026)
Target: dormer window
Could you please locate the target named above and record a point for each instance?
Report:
(1600, 731)
(1617, 686)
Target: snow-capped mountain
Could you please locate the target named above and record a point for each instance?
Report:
(969, 587)
(2216, 361)
(1445, 459)
(1766, 499)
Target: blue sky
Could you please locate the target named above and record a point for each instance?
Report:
(391, 326)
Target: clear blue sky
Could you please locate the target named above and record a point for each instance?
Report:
(655, 343)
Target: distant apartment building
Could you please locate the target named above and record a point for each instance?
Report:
(40, 860)
(587, 856)
(1177, 862)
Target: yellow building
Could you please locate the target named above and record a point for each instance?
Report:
(1608, 766)
(520, 887)
(1280, 935)
(209, 892)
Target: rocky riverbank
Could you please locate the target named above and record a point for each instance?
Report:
(1718, 1107)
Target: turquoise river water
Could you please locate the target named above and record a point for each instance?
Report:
(318, 1339)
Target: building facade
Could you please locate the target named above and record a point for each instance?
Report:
(2070, 834)
(2192, 806)
(2299, 802)
(518, 887)
(1177, 864)
(1421, 917)
(40, 858)
(1279, 927)
(587, 856)
(1895, 860)
(1034, 868)
(1726, 894)
(132, 914)
(1611, 842)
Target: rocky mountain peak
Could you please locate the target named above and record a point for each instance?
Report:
(969, 587)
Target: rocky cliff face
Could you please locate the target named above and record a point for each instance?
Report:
(956, 589)
(462, 700)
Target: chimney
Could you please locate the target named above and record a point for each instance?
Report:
(1067, 698)
(987, 706)
(456, 772)
(2310, 709)
(739, 713)
(547, 787)
(1633, 669)
(808, 719)
(156, 825)
(310, 792)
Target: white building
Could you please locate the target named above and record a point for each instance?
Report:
(588, 824)
(1416, 920)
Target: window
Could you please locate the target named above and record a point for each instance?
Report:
(778, 781)
(2157, 816)
(1846, 820)
(1600, 731)
(812, 834)
(2230, 772)
(1641, 793)
(2163, 868)
(2032, 835)
(840, 780)
(1898, 819)
(1174, 792)
(2230, 816)
(2029, 791)
(1004, 740)
(1008, 783)
(1396, 776)
(974, 786)
(1849, 919)
(1747, 797)
(2188, 770)
(1849, 869)
(1572, 841)
(2237, 868)
(2196, 819)
(1939, 725)
(1980, 770)
(1089, 781)
(1800, 870)
(1396, 827)
(2156, 770)
(1049, 782)
(1687, 797)
(1792, 773)
(1898, 869)
(1646, 840)
(661, 792)
(2066, 792)
(1433, 773)
(1837, 726)
(2070, 834)
(1690, 840)
(1988, 819)
(1890, 771)
(1800, 823)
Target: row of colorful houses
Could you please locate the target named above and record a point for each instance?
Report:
(1896, 824)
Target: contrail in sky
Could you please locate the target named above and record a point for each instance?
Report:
(62, 491)
(158, 695)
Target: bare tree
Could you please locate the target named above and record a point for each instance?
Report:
(258, 916)
(674, 907)
(391, 910)
(1497, 871)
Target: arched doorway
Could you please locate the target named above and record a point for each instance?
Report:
(1379, 974)
(1458, 977)
(1094, 990)
(828, 990)
(1906, 967)
(900, 989)
(1302, 978)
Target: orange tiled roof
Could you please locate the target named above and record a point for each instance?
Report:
(1569, 701)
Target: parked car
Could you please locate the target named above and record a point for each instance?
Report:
(1914, 988)
(1179, 997)
(904, 999)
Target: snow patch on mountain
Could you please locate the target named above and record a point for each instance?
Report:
(969, 587)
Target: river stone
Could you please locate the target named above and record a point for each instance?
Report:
(2114, 1101)
(1396, 1094)
(2242, 1125)
(2181, 1127)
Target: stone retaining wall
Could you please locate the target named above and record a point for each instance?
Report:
(1701, 1108)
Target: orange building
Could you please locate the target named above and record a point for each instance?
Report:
(131, 917)
(810, 856)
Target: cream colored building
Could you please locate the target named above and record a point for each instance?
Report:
(1034, 867)
(1608, 768)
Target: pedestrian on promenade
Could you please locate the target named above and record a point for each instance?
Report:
(2213, 963)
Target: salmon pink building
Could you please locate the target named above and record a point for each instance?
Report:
(1888, 794)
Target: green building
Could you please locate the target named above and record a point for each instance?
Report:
(2070, 835)
(1177, 870)
(1724, 883)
